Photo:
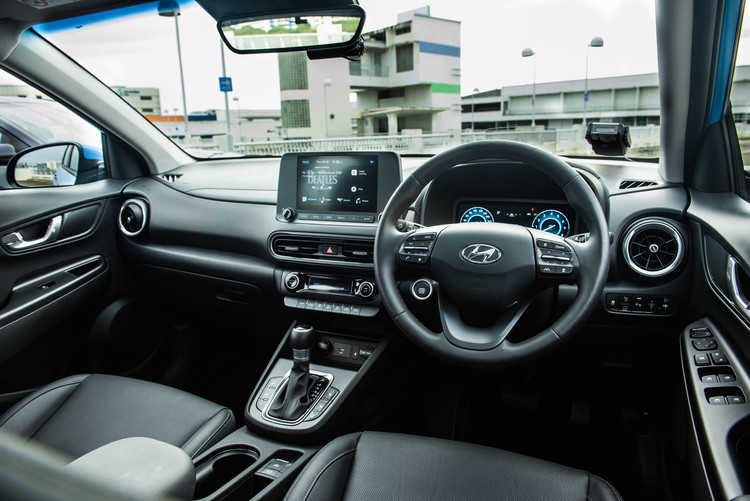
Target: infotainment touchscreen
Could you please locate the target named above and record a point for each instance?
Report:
(337, 183)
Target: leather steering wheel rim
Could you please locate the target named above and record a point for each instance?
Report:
(593, 255)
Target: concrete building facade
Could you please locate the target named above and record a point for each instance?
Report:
(144, 99)
(630, 99)
(408, 79)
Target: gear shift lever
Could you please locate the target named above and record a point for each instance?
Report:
(296, 398)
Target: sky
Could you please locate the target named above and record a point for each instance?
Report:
(142, 51)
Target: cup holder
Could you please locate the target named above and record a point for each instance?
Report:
(219, 469)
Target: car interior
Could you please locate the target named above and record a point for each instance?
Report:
(208, 328)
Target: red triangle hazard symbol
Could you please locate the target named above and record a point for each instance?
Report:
(329, 251)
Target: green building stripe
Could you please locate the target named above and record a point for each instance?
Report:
(444, 88)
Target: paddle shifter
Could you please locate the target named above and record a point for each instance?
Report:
(296, 398)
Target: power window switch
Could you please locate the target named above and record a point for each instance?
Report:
(699, 332)
(702, 359)
(710, 379)
(735, 399)
(719, 358)
(727, 378)
(719, 400)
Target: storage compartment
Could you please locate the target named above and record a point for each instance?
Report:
(221, 468)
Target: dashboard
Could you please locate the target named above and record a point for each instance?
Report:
(278, 224)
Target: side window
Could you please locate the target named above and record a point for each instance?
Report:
(56, 146)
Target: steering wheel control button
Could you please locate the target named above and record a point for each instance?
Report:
(706, 344)
(547, 269)
(421, 289)
(416, 248)
(564, 270)
(702, 359)
(719, 358)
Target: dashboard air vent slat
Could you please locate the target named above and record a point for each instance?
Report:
(171, 178)
(629, 184)
(343, 250)
(653, 247)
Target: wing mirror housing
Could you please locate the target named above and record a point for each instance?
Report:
(55, 164)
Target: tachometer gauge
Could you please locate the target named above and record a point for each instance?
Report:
(552, 221)
(477, 215)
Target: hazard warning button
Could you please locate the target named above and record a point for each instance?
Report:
(330, 250)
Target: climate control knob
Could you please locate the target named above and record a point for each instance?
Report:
(366, 289)
(292, 281)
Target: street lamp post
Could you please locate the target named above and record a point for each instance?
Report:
(230, 139)
(476, 89)
(326, 83)
(170, 8)
(527, 52)
(595, 42)
(239, 118)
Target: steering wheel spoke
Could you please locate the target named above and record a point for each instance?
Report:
(458, 333)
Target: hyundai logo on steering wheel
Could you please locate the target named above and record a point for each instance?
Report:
(481, 254)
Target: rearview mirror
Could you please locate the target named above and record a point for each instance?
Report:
(296, 31)
(55, 164)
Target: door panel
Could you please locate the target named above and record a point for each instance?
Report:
(43, 284)
(716, 367)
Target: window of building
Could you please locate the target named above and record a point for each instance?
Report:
(405, 58)
(402, 30)
(145, 98)
(295, 113)
(466, 108)
(293, 70)
(389, 93)
(148, 110)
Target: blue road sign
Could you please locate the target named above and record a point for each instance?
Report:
(225, 84)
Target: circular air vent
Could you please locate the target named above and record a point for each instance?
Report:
(653, 247)
(132, 219)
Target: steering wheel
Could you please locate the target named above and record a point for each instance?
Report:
(492, 267)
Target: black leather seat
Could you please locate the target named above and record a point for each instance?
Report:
(385, 466)
(78, 414)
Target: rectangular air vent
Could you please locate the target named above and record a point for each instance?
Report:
(629, 184)
(321, 247)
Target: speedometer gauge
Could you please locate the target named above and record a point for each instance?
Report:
(552, 221)
(477, 215)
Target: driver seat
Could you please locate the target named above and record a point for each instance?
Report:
(386, 466)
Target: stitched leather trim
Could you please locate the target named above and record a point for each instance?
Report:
(70, 383)
(593, 478)
(322, 470)
(205, 442)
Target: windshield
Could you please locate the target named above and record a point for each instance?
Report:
(432, 77)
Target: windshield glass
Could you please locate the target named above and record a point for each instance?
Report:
(432, 77)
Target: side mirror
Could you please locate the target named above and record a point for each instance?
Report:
(310, 30)
(54, 164)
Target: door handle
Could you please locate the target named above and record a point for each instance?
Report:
(14, 241)
(736, 293)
